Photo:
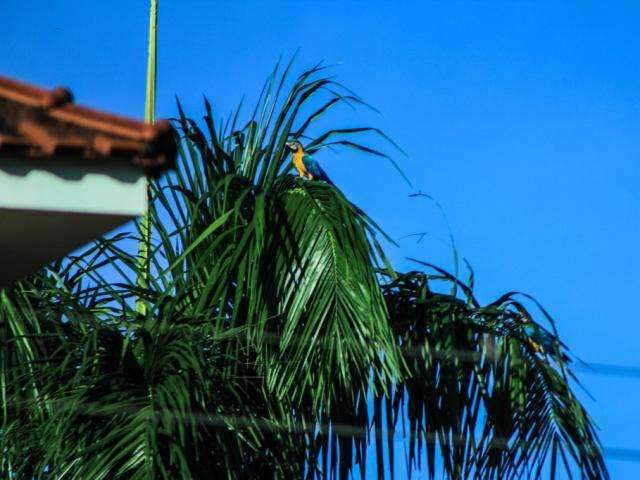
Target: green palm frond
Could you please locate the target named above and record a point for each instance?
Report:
(480, 398)
(330, 312)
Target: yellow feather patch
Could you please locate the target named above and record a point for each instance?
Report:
(298, 163)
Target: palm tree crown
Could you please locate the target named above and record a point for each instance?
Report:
(278, 341)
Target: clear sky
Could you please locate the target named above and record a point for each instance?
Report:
(520, 118)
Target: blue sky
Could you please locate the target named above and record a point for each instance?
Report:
(520, 118)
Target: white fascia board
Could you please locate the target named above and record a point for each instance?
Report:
(82, 186)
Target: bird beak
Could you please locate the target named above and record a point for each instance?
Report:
(289, 145)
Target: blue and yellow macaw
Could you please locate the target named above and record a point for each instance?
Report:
(540, 340)
(305, 164)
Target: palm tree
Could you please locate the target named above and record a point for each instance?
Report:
(277, 339)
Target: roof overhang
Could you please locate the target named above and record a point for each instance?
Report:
(68, 174)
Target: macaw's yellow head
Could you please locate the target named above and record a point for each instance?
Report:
(294, 147)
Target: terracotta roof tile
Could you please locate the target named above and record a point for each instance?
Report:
(36, 122)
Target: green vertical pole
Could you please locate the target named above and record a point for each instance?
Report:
(150, 98)
(149, 116)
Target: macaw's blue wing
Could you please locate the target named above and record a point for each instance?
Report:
(314, 168)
